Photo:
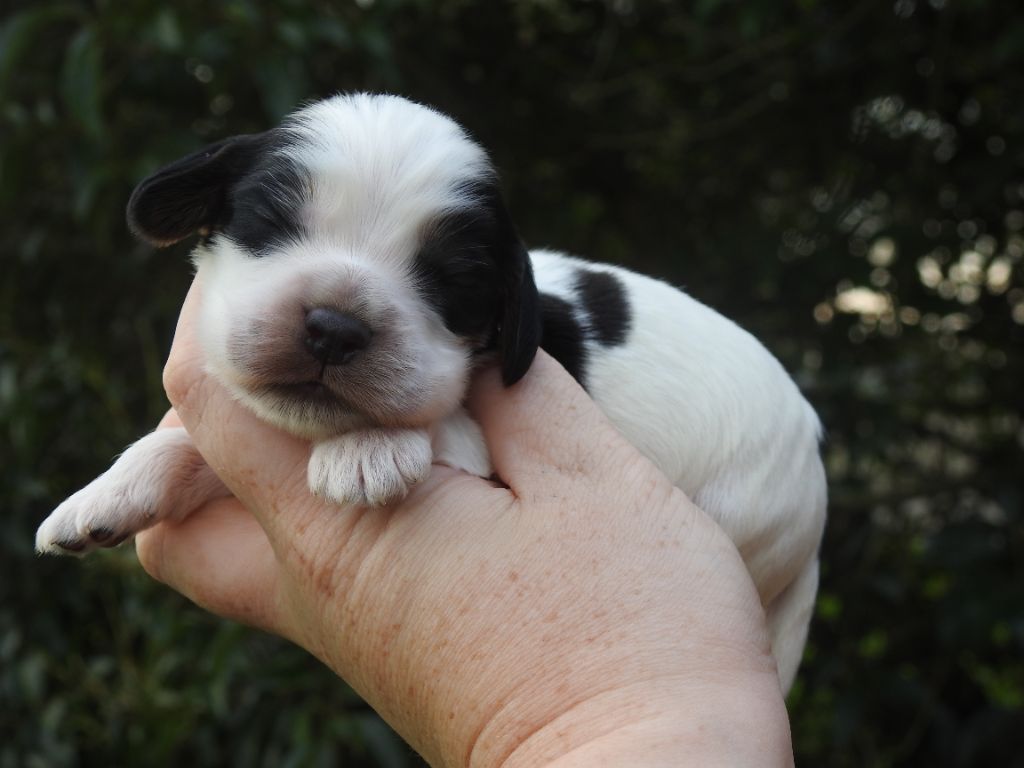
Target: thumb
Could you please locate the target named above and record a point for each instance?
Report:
(263, 466)
(545, 423)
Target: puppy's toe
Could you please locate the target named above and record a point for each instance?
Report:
(102, 514)
(333, 481)
(412, 458)
(58, 535)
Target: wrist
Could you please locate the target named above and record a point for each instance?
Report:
(732, 719)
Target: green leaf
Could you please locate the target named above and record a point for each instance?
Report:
(874, 644)
(167, 30)
(18, 33)
(387, 749)
(702, 9)
(284, 86)
(80, 81)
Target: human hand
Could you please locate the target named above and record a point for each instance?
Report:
(587, 614)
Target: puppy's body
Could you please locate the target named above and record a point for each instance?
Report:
(710, 406)
(357, 262)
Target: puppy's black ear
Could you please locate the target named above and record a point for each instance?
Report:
(520, 321)
(190, 194)
(520, 330)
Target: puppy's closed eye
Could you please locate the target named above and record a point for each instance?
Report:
(258, 229)
(264, 212)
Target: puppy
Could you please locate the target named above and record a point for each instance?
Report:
(358, 261)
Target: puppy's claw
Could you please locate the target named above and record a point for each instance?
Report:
(66, 532)
(100, 535)
(71, 547)
(371, 467)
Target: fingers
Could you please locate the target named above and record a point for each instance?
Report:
(219, 558)
(546, 422)
(261, 465)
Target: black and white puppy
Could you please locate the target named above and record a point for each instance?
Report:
(358, 261)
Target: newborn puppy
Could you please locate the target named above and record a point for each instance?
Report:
(358, 261)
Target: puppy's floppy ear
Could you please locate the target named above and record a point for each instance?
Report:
(520, 319)
(191, 194)
(520, 330)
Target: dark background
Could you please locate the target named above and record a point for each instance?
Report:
(844, 179)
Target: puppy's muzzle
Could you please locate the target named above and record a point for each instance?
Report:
(333, 337)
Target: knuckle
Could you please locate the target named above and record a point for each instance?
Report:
(177, 383)
(181, 378)
(149, 550)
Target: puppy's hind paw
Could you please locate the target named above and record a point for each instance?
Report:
(370, 467)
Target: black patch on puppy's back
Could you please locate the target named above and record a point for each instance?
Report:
(562, 336)
(604, 300)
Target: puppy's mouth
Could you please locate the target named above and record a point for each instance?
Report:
(308, 408)
(308, 391)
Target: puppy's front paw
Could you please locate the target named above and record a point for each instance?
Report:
(103, 514)
(161, 477)
(371, 467)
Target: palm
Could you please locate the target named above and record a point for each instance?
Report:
(470, 603)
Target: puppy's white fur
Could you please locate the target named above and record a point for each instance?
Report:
(695, 393)
(711, 407)
(159, 477)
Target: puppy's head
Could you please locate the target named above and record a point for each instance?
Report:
(354, 261)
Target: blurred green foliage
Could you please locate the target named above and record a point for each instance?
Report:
(846, 179)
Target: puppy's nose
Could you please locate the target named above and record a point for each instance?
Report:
(333, 337)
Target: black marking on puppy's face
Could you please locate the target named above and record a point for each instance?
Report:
(458, 276)
(562, 336)
(475, 271)
(262, 210)
(604, 300)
